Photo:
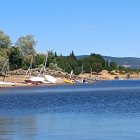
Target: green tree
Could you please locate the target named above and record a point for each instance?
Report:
(113, 65)
(5, 44)
(77, 70)
(62, 63)
(68, 63)
(51, 58)
(5, 41)
(97, 67)
(27, 44)
(94, 62)
(86, 64)
(55, 54)
(15, 58)
(3, 53)
(28, 61)
(4, 66)
(39, 59)
(72, 55)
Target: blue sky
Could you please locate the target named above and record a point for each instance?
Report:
(107, 27)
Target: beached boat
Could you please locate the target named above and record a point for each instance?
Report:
(69, 81)
(50, 79)
(7, 83)
(41, 77)
(37, 80)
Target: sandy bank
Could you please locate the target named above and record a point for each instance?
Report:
(104, 75)
(19, 81)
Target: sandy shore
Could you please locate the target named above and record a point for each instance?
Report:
(104, 75)
(19, 81)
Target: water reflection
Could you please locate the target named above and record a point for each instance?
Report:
(17, 127)
(70, 127)
(104, 114)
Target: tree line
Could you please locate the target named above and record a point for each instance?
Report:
(23, 53)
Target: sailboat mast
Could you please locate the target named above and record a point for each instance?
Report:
(46, 60)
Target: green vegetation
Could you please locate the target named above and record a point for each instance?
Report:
(23, 53)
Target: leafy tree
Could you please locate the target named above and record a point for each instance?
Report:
(27, 44)
(15, 58)
(3, 59)
(28, 61)
(39, 59)
(73, 63)
(77, 70)
(4, 40)
(94, 62)
(51, 58)
(113, 65)
(106, 65)
(3, 53)
(72, 55)
(62, 63)
(55, 54)
(97, 67)
(68, 63)
(86, 64)
(100, 59)
(5, 43)
(4, 66)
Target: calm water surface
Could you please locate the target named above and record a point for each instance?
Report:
(105, 110)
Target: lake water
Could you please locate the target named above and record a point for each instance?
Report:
(105, 110)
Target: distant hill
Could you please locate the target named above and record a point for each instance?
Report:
(81, 56)
(131, 62)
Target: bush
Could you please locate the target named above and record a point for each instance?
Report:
(112, 73)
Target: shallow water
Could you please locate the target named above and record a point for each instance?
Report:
(105, 110)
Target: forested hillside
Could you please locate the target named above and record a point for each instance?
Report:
(130, 62)
(22, 55)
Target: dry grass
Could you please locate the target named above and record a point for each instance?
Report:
(104, 75)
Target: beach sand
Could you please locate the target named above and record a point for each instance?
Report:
(19, 80)
(104, 75)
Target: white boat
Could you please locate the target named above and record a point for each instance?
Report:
(35, 80)
(41, 78)
(50, 79)
(7, 83)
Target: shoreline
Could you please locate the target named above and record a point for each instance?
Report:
(50, 85)
(19, 80)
